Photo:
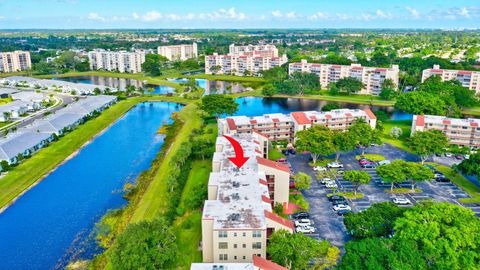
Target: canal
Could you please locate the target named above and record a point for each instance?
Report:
(52, 223)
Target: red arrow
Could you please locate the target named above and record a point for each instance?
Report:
(239, 158)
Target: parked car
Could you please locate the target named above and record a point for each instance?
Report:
(384, 162)
(305, 229)
(366, 161)
(459, 157)
(336, 198)
(319, 168)
(303, 222)
(292, 151)
(401, 201)
(466, 156)
(325, 180)
(448, 154)
(437, 175)
(339, 207)
(301, 215)
(343, 212)
(442, 179)
(368, 166)
(334, 165)
(331, 184)
(285, 152)
(282, 160)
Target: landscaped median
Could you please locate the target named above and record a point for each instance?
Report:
(22, 177)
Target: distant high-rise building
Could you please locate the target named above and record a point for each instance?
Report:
(467, 78)
(371, 77)
(121, 61)
(179, 52)
(15, 61)
(244, 60)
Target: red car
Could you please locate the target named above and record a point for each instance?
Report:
(365, 161)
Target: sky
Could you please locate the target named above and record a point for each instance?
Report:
(161, 14)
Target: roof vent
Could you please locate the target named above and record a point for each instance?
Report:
(234, 217)
(235, 196)
(236, 184)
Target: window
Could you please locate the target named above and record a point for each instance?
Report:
(257, 233)
(257, 245)
(223, 257)
(235, 234)
(222, 234)
(244, 257)
(244, 234)
(234, 245)
(222, 245)
(244, 245)
(234, 257)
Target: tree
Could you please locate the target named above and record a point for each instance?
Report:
(144, 245)
(421, 103)
(303, 181)
(275, 75)
(216, 105)
(343, 141)
(349, 85)
(202, 147)
(296, 251)
(268, 90)
(396, 132)
(215, 69)
(306, 81)
(416, 173)
(376, 221)
(364, 134)
(318, 140)
(427, 143)
(357, 178)
(388, 93)
(469, 166)
(392, 173)
(152, 65)
(330, 106)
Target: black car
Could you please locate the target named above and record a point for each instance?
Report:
(292, 151)
(335, 198)
(300, 215)
(285, 152)
(368, 166)
(344, 202)
(343, 212)
(442, 179)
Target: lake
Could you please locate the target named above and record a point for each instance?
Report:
(52, 223)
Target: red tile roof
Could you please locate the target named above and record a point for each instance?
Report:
(273, 164)
(275, 120)
(447, 122)
(278, 219)
(380, 69)
(474, 124)
(253, 122)
(266, 199)
(348, 115)
(231, 124)
(420, 120)
(464, 72)
(436, 70)
(264, 264)
(263, 182)
(328, 116)
(370, 114)
(313, 117)
(301, 118)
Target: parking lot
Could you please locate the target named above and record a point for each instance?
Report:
(329, 225)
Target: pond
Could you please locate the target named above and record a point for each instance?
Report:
(52, 223)
(119, 83)
(252, 106)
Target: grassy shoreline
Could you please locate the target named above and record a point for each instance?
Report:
(31, 171)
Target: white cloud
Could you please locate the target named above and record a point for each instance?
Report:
(292, 15)
(151, 16)
(277, 14)
(382, 14)
(221, 14)
(319, 16)
(95, 17)
(413, 12)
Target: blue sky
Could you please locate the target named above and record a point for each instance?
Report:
(239, 14)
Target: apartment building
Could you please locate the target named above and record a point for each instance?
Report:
(258, 263)
(237, 217)
(279, 126)
(469, 79)
(179, 52)
(461, 132)
(371, 77)
(244, 60)
(121, 61)
(15, 61)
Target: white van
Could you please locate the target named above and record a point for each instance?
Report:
(384, 162)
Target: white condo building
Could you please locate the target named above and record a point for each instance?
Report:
(15, 61)
(469, 79)
(121, 61)
(179, 52)
(371, 77)
(244, 59)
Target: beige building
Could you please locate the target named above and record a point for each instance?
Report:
(284, 126)
(237, 217)
(242, 60)
(469, 79)
(120, 61)
(15, 61)
(179, 52)
(371, 77)
(461, 132)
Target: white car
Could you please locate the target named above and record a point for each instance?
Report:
(401, 200)
(325, 180)
(334, 165)
(305, 229)
(319, 168)
(466, 156)
(448, 155)
(303, 222)
(339, 207)
(331, 185)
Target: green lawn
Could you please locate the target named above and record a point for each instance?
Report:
(4, 101)
(405, 125)
(152, 203)
(198, 174)
(188, 231)
(460, 181)
(374, 157)
(349, 195)
(275, 155)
